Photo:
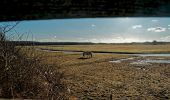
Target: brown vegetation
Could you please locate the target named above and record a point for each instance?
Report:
(22, 75)
(97, 78)
(131, 48)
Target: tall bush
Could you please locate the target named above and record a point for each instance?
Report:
(22, 75)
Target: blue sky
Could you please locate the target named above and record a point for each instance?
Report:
(106, 30)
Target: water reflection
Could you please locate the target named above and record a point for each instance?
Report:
(153, 55)
(151, 61)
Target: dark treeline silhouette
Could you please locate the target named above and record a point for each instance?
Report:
(30, 43)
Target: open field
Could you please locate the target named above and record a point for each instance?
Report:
(137, 48)
(99, 79)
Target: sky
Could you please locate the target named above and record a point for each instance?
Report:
(97, 30)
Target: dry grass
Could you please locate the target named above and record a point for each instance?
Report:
(24, 76)
(140, 48)
(99, 79)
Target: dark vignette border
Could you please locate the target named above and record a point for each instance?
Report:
(12, 10)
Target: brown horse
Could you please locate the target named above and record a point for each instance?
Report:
(87, 54)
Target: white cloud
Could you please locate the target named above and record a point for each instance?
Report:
(129, 40)
(94, 40)
(151, 29)
(154, 20)
(167, 38)
(118, 39)
(156, 29)
(93, 25)
(169, 25)
(137, 26)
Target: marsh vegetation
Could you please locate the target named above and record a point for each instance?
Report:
(99, 78)
(24, 76)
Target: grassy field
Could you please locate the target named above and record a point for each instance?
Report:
(99, 79)
(138, 48)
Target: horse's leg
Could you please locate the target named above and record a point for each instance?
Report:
(87, 55)
(84, 55)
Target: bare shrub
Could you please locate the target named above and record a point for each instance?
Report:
(22, 75)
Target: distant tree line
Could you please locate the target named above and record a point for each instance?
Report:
(27, 43)
(30, 43)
